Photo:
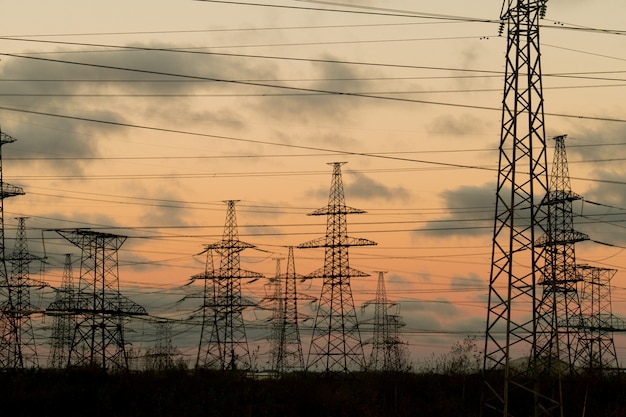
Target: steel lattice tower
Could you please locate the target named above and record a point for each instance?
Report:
(598, 350)
(286, 346)
(520, 219)
(274, 293)
(98, 309)
(62, 327)
(228, 345)
(162, 356)
(209, 301)
(23, 352)
(8, 325)
(336, 342)
(386, 354)
(558, 330)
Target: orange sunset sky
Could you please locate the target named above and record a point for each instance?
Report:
(139, 118)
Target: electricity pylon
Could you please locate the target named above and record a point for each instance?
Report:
(98, 309)
(163, 355)
(386, 354)
(598, 350)
(274, 294)
(520, 218)
(62, 327)
(209, 321)
(286, 345)
(23, 347)
(336, 342)
(227, 347)
(558, 331)
(9, 326)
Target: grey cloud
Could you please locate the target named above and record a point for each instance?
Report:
(601, 213)
(77, 97)
(311, 107)
(469, 282)
(593, 144)
(440, 307)
(456, 124)
(365, 188)
(394, 279)
(361, 187)
(470, 213)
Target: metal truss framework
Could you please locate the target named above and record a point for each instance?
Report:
(10, 350)
(558, 342)
(62, 325)
(163, 355)
(227, 346)
(336, 342)
(386, 354)
(23, 353)
(274, 294)
(285, 344)
(598, 321)
(98, 309)
(520, 219)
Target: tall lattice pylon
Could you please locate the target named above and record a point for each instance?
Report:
(163, 355)
(387, 353)
(227, 347)
(62, 325)
(9, 326)
(99, 311)
(23, 353)
(520, 218)
(274, 294)
(286, 345)
(336, 341)
(558, 330)
(598, 346)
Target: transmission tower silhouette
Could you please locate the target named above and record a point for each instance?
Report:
(227, 347)
(520, 218)
(285, 343)
(23, 347)
(10, 327)
(163, 355)
(336, 342)
(207, 310)
(558, 331)
(386, 354)
(62, 325)
(274, 294)
(598, 350)
(99, 311)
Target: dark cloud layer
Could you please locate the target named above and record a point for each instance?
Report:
(470, 209)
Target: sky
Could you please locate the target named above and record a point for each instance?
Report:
(140, 118)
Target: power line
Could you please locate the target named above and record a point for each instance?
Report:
(240, 29)
(230, 138)
(373, 12)
(289, 88)
(261, 82)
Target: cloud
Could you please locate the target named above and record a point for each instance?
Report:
(598, 165)
(440, 307)
(100, 91)
(451, 124)
(361, 187)
(318, 102)
(598, 143)
(365, 188)
(470, 213)
(160, 211)
(467, 283)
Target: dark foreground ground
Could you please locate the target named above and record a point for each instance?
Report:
(185, 393)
